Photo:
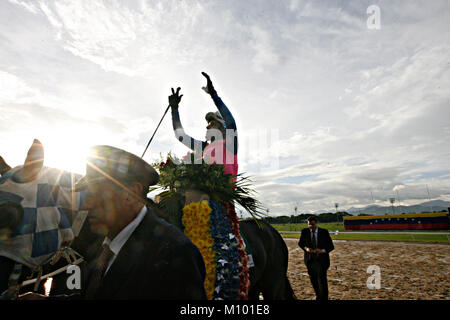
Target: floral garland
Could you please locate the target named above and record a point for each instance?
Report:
(227, 256)
(243, 257)
(197, 226)
(206, 224)
(213, 225)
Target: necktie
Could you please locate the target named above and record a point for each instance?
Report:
(314, 243)
(99, 268)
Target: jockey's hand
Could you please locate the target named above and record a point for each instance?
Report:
(209, 86)
(31, 296)
(175, 98)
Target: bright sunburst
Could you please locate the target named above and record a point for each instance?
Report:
(70, 157)
(64, 149)
(68, 149)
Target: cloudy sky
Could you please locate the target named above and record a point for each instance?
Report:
(333, 104)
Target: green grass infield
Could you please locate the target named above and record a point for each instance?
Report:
(372, 235)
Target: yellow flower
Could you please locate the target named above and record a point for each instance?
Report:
(197, 221)
(205, 210)
(203, 223)
(195, 206)
(209, 242)
(200, 243)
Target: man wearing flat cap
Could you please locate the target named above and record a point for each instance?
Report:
(142, 256)
(147, 258)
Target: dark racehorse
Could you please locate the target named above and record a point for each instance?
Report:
(269, 251)
(270, 255)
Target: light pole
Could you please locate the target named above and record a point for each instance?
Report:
(336, 205)
(429, 198)
(392, 200)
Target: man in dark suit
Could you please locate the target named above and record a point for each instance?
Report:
(142, 256)
(317, 244)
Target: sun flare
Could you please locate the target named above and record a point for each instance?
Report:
(67, 149)
(66, 157)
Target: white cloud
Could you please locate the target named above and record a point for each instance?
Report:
(294, 5)
(265, 56)
(12, 88)
(29, 6)
(133, 39)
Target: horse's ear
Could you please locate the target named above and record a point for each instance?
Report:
(32, 165)
(4, 167)
(35, 158)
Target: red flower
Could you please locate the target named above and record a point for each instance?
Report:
(242, 253)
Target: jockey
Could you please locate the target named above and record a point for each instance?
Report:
(221, 144)
(219, 148)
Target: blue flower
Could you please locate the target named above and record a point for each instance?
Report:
(226, 249)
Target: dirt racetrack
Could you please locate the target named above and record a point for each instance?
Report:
(408, 271)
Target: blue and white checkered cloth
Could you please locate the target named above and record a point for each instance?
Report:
(52, 215)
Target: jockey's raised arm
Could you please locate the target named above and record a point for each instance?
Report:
(225, 114)
(180, 134)
(225, 151)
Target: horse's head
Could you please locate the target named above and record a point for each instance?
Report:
(39, 212)
(11, 210)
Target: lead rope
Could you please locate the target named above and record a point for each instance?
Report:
(38, 279)
(72, 257)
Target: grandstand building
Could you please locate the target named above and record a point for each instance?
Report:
(409, 221)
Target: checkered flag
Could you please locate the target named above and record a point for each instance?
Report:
(52, 215)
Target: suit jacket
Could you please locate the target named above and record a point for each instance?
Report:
(157, 262)
(324, 242)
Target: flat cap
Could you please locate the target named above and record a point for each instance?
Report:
(106, 162)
